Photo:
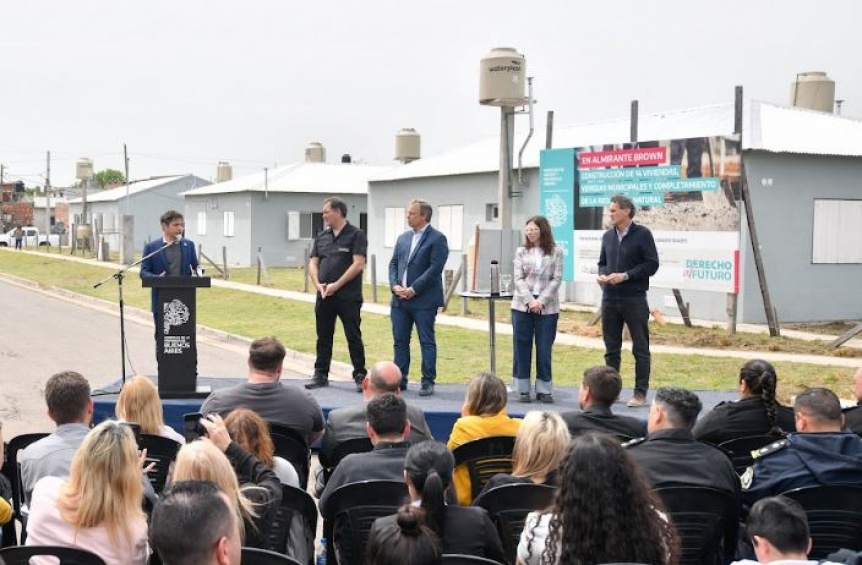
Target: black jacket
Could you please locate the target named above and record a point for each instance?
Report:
(266, 498)
(601, 419)
(741, 418)
(636, 256)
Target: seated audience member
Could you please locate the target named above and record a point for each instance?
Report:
(540, 446)
(71, 408)
(463, 529)
(99, 507)
(388, 429)
(139, 402)
(218, 459)
(405, 540)
(756, 413)
(853, 416)
(600, 388)
(819, 453)
(482, 415)
(6, 511)
(604, 512)
(194, 524)
(670, 456)
(778, 530)
(252, 434)
(274, 401)
(348, 422)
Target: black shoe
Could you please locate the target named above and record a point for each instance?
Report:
(358, 383)
(547, 398)
(318, 381)
(524, 397)
(403, 386)
(426, 390)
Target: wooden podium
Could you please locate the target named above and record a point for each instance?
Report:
(176, 334)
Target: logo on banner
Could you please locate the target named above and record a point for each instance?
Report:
(176, 314)
(556, 210)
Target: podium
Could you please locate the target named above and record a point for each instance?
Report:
(176, 334)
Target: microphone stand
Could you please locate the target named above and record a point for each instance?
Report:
(119, 275)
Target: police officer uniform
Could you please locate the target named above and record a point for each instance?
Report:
(601, 419)
(740, 418)
(672, 457)
(803, 460)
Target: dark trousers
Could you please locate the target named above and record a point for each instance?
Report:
(403, 319)
(526, 329)
(326, 311)
(18, 243)
(633, 312)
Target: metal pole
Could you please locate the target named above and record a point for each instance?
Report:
(48, 199)
(504, 188)
(372, 262)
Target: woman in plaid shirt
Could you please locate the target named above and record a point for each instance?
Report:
(536, 307)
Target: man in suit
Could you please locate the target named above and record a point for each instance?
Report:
(349, 422)
(599, 390)
(415, 277)
(176, 255)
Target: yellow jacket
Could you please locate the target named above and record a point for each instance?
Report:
(468, 428)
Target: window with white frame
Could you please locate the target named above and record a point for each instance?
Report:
(304, 225)
(836, 234)
(202, 223)
(228, 223)
(395, 223)
(451, 223)
(293, 226)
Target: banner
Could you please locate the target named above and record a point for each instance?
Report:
(687, 192)
(556, 197)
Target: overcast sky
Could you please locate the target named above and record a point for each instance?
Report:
(188, 83)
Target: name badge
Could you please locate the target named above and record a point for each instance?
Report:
(344, 249)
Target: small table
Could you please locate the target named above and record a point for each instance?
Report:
(492, 332)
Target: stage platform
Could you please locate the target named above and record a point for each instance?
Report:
(441, 409)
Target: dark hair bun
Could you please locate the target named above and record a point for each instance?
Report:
(410, 520)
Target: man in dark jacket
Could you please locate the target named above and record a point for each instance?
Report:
(627, 260)
(599, 390)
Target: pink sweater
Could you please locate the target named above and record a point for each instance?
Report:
(45, 526)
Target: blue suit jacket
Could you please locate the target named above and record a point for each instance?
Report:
(157, 265)
(424, 268)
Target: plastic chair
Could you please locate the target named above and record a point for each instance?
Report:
(834, 517)
(255, 556)
(292, 446)
(342, 450)
(295, 525)
(484, 458)
(707, 521)
(12, 470)
(162, 451)
(461, 559)
(739, 449)
(508, 506)
(352, 509)
(20, 555)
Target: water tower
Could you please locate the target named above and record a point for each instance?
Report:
(408, 145)
(84, 174)
(814, 91)
(224, 172)
(502, 83)
(315, 153)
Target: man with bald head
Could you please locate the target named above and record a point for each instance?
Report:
(853, 416)
(348, 422)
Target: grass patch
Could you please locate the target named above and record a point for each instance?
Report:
(461, 352)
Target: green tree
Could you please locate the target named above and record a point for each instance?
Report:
(109, 176)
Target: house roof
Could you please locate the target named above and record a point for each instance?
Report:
(136, 187)
(766, 127)
(321, 178)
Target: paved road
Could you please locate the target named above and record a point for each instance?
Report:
(45, 333)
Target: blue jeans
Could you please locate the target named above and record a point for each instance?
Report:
(403, 319)
(633, 311)
(526, 329)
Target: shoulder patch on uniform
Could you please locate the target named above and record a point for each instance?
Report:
(634, 442)
(747, 478)
(771, 448)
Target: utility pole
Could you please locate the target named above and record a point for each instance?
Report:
(48, 198)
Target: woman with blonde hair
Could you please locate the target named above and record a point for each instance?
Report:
(98, 508)
(540, 446)
(139, 402)
(218, 459)
(482, 415)
(251, 432)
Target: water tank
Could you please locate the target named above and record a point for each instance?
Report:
(315, 153)
(346, 159)
(814, 91)
(502, 80)
(84, 169)
(407, 145)
(224, 172)
(84, 231)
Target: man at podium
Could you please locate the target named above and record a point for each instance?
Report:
(174, 255)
